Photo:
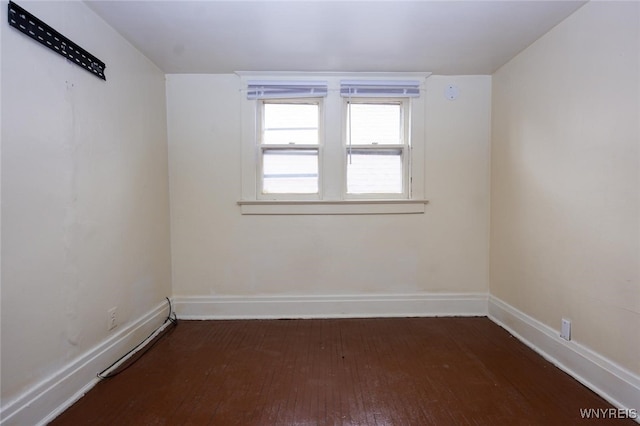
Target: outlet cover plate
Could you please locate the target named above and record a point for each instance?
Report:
(112, 319)
(565, 331)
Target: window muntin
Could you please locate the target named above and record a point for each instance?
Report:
(289, 145)
(377, 148)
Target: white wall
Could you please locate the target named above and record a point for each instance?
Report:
(565, 218)
(218, 251)
(85, 209)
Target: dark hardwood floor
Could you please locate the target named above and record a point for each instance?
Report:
(382, 371)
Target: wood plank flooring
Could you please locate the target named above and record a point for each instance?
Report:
(379, 371)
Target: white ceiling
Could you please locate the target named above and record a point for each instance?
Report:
(444, 37)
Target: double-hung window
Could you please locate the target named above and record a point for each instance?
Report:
(377, 137)
(334, 140)
(288, 136)
(289, 139)
(376, 148)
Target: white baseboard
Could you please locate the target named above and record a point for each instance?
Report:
(336, 306)
(47, 399)
(612, 382)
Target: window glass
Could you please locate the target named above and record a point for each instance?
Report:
(375, 124)
(290, 123)
(292, 171)
(374, 171)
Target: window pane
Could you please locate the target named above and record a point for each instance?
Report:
(375, 124)
(290, 171)
(290, 123)
(374, 171)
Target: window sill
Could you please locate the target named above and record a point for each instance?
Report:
(339, 207)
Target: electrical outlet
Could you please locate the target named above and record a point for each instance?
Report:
(112, 319)
(565, 331)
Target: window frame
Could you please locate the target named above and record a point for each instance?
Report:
(261, 147)
(405, 147)
(332, 197)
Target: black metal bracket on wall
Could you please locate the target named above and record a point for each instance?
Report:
(28, 24)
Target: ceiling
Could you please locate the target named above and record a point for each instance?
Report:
(443, 37)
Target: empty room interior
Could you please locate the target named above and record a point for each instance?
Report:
(325, 212)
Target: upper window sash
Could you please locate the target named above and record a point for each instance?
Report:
(303, 129)
(380, 88)
(278, 89)
(366, 131)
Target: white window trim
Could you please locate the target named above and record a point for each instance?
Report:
(323, 207)
(332, 197)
